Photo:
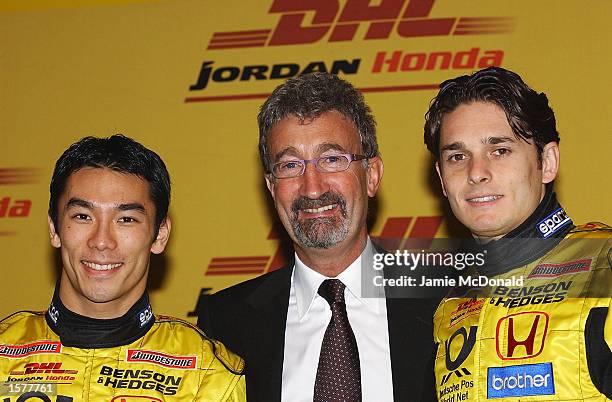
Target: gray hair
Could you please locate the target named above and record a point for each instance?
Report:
(307, 97)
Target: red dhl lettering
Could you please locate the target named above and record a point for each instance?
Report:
(304, 22)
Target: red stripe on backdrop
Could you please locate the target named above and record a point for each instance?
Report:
(222, 266)
(241, 33)
(398, 88)
(245, 272)
(255, 258)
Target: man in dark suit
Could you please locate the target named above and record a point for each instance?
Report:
(313, 330)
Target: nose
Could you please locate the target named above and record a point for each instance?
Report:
(479, 170)
(102, 237)
(313, 182)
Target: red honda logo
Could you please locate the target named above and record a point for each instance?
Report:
(521, 335)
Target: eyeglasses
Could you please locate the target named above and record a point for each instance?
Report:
(325, 164)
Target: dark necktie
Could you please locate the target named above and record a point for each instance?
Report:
(338, 375)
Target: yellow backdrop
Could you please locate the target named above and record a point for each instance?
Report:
(186, 78)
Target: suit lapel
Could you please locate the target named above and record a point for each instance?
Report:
(266, 340)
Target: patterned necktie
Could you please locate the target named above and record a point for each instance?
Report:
(338, 375)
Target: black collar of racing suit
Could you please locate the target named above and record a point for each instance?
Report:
(83, 332)
(532, 239)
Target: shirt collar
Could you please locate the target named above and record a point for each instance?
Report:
(306, 282)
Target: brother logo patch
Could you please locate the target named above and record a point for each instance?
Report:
(523, 380)
(553, 222)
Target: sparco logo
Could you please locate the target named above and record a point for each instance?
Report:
(18, 351)
(553, 222)
(161, 359)
(408, 18)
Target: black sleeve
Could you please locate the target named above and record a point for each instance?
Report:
(204, 317)
(599, 356)
(428, 392)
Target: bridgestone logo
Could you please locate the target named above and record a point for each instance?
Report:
(161, 359)
(554, 270)
(18, 351)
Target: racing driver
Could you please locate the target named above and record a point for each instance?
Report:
(542, 329)
(99, 339)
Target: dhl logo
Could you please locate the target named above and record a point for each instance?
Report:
(44, 368)
(394, 233)
(408, 18)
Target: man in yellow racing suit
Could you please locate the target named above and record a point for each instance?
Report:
(539, 327)
(99, 339)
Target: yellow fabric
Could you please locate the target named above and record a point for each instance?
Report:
(107, 375)
(561, 312)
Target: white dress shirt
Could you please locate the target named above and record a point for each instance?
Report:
(307, 319)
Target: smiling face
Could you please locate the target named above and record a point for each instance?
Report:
(322, 211)
(106, 225)
(492, 178)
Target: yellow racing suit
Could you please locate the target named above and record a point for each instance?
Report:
(60, 356)
(542, 330)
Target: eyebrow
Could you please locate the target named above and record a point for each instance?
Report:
(453, 146)
(78, 202)
(498, 140)
(324, 147)
(132, 206)
(489, 140)
(287, 151)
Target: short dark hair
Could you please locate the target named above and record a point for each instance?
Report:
(121, 154)
(528, 112)
(307, 97)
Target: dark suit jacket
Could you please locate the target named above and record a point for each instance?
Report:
(250, 317)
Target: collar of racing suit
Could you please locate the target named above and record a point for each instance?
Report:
(532, 239)
(79, 331)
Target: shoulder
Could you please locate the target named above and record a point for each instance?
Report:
(591, 230)
(25, 327)
(243, 290)
(182, 337)
(25, 319)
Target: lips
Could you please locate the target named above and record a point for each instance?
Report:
(484, 198)
(321, 209)
(101, 267)
(326, 203)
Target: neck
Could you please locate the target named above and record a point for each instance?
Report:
(333, 261)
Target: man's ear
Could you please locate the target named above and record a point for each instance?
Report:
(55, 238)
(374, 174)
(440, 177)
(550, 162)
(271, 183)
(163, 235)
